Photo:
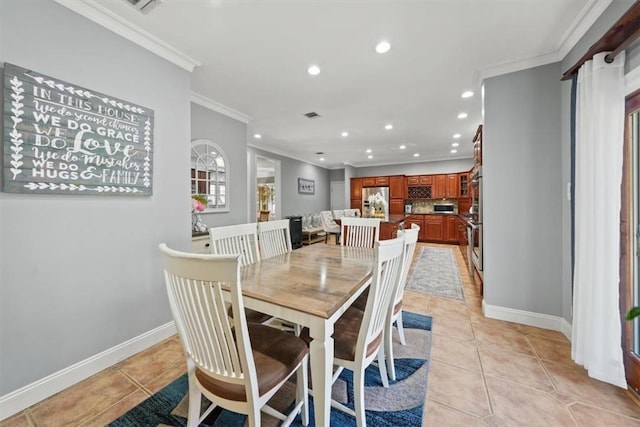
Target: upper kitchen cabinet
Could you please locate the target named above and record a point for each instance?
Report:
(397, 187)
(463, 185)
(356, 188)
(451, 190)
(439, 187)
(477, 147)
(419, 180)
(356, 193)
(369, 182)
(382, 181)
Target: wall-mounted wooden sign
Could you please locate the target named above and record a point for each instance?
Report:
(63, 139)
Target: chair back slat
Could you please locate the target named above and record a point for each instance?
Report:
(385, 279)
(196, 286)
(360, 232)
(410, 241)
(239, 239)
(274, 238)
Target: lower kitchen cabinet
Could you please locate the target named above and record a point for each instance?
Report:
(433, 228)
(415, 219)
(388, 230)
(451, 229)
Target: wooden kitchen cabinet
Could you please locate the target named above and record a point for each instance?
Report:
(439, 190)
(451, 189)
(434, 228)
(464, 181)
(451, 234)
(419, 180)
(397, 187)
(418, 220)
(356, 188)
(388, 230)
(396, 206)
(369, 182)
(356, 204)
(382, 181)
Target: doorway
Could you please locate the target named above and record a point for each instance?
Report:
(337, 195)
(267, 186)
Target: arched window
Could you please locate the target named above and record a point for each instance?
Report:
(210, 174)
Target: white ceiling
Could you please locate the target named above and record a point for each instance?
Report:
(251, 58)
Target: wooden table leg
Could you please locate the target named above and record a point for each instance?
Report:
(321, 354)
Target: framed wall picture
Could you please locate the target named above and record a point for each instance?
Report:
(306, 186)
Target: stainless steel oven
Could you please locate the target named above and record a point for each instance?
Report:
(475, 239)
(475, 245)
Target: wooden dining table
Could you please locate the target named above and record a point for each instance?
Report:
(312, 287)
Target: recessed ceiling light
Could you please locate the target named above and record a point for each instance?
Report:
(455, 144)
(314, 70)
(322, 159)
(388, 126)
(402, 147)
(454, 151)
(456, 135)
(467, 94)
(345, 134)
(369, 156)
(368, 150)
(257, 136)
(462, 115)
(383, 47)
(416, 155)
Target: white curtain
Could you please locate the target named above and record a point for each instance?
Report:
(600, 115)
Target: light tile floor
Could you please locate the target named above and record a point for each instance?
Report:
(483, 372)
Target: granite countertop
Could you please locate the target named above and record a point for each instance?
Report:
(199, 233)
(393, 219)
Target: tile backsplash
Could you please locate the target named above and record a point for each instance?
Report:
(426, 206)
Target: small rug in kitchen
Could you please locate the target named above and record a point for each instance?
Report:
(399, 405)
(436, 273)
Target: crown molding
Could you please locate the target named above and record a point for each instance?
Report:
(219, 108)
(287, 155)
(587, 17)
(513, 66)
(102, 16)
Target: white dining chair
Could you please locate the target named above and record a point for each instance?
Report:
(274, 238)
(410, 237)
(360, 232)
(236, 365)
(236, 239)
(239, 239)
(329, 226)
(358, 335)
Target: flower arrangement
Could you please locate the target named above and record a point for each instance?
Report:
(198, 203)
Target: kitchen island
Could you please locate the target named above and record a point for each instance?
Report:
(389, 226)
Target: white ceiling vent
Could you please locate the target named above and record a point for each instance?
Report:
(143, 6)
(312, 115)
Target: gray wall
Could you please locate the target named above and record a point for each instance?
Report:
(336, 175)
(292, 202)
(231, 136)
(523, 191)
(82, 274)
(424, 168)
(606, 20)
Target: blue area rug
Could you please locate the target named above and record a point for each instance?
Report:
(399, 405)
(435, 272)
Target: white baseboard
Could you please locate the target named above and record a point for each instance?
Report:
(33, 393)
(544, 321)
